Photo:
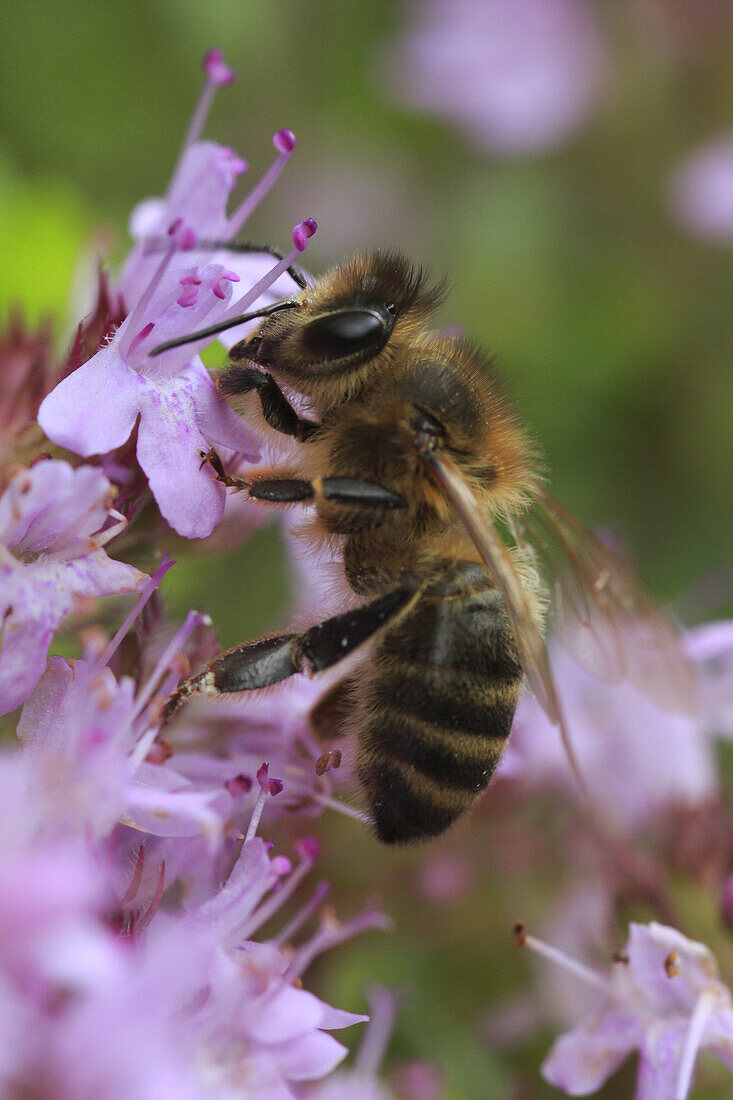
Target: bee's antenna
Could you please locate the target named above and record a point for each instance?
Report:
(222, 326)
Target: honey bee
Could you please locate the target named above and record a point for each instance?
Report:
(422, 476)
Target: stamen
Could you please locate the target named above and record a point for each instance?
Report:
(304, 913)
(330, 934)
(180, 237)
(284, 141)
(584, 973)
(269, 907)
(136, 879)
(193, 619)
(382, 1012)
(217, 75)
(166, 564)
(340, 807)
(267, 786)
(706, 1004)
(301, 233)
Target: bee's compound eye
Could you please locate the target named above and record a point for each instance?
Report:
(346, 332)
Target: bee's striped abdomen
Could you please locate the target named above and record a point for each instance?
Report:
(436, 706)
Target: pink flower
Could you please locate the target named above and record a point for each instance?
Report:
(663, 998)
(518, 76)
(173, 400)
(701, 190)
(170, 398)
(87, 737)
(52, 532)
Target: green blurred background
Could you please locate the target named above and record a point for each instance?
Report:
(613, 326)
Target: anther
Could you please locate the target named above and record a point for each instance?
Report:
(308, 848)
(270, 786)
(240, 784)
(189, 297)
(328, 760)
(137, 340)
(671, 964)
(520, 934)
(284, 141)
(217, 71)
(302, 231)
(220, 286)
(160, 751)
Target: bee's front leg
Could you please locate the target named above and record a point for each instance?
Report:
(231, 481)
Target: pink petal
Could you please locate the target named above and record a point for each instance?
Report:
(94, 409)
(51, 505)
(309, 1057)
(659, 1060)
(216, 420)
(27, 631)
(290, 1013)
(93, 574)
(169, 450)
(581, 1060)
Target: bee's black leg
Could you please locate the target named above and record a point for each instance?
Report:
(348, 492)
(276, 409)
(269, 660)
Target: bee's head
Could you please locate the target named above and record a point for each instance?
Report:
(338, 329)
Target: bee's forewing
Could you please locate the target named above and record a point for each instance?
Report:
(493, 550)
(602, 617)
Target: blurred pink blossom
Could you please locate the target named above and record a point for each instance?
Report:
(54, 523)
(701, 190)
(635, 757)
(663, 998)
(517, 76)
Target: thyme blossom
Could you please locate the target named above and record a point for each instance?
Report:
(172, 286)
(54, 524)
(664, 998)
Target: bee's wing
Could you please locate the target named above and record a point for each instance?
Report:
(498, 558)
(601, 616)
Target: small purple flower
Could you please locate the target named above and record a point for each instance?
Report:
(88, 737)
(52, 534)
(701, 191)
(172, 399)
(518, 76)
(171, 291)
(663, 998)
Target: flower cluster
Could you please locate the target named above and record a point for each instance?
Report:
(122, 852)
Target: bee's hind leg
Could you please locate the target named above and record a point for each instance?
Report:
(269, 660)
